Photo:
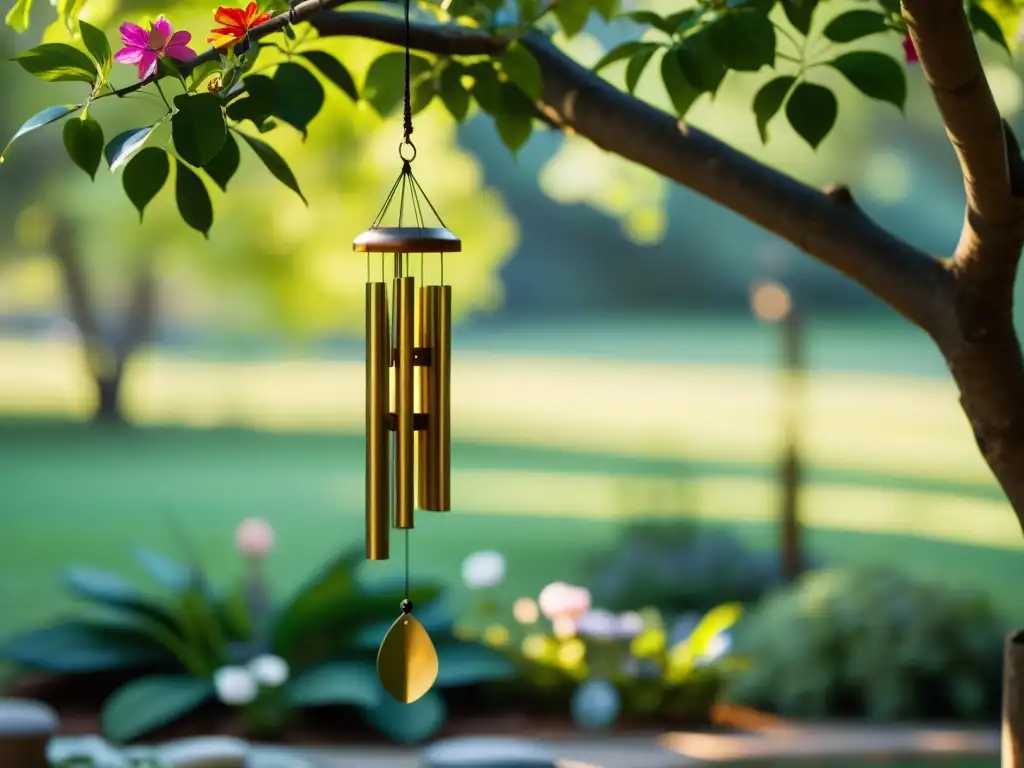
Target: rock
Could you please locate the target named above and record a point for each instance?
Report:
(26, 728)
(102, 754)
(487, 752)
(209, 752)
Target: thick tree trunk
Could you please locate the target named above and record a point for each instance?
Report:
(108, 400)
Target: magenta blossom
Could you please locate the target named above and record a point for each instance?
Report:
(146, 48)
(909, 49)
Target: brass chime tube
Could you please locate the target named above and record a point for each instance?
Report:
(405, 322)
(378, 411)
(435, 462)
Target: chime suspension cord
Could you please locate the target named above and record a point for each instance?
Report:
(406, 172)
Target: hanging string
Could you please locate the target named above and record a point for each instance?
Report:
(408, 79)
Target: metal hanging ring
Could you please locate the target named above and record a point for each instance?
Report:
(411, 151)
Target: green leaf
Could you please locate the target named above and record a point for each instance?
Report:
(461, 664)
(800, 13)
(111, 591)
(652, 19)
(194, 202)
(812, 111)
(452, 92)
(80, 647)
(515, 118)
(83, 140)
(768, 102)
(853, 25)
(200, 73)
(637, 63)
(169, 573)
(145, 704)
(422, 92)
(143, 178)
(699, 61)
(299, 95)
(120, 148)
(522, 69)
(875, 75)
(408, 723)
(744, 40)
(18, 17)
(339, 682)
(572, 15)
(97, 44)
(259, 103)
(198, 127)
(334, 71)
(57, 62)
(383, 86)
(983, 22)
(38, 120)
(274, 163)
(679, 90)
(607, 9)
(224, 164)
(620, 52)
(486, 86)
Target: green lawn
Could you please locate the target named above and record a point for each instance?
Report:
(74, 493)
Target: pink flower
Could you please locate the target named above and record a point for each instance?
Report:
(910, 50)
(254, 537)
(559, 600)
(146, 48)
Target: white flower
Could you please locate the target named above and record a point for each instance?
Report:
(235, 686)
(269, 670)
(561, 600)
(718, 646)
(631, 624)
(483, 569)
(525, 611)
(600, 625)
(254, 537)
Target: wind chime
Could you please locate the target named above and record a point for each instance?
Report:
(411, 331)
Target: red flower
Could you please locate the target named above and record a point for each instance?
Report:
(236, 21)
(909, 50)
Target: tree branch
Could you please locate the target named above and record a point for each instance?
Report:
(832, 230)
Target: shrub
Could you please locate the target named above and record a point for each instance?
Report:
(870, 642)
(681, 567)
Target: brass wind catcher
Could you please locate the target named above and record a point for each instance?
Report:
(408, 353)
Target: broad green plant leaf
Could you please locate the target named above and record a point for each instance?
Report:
(97, 44)
(38, 120)
(273, 162)
(522, 69)
(200, 73)
(408, 723)
(983, 22)
(853, 25)
(800, 13)
(334, 71)
(222, 167)
(383, 85)
(452, 92)
(468, 664)
(83, 140)
(515, 119)
(812, 111)
(198, 127)
(875, 75)
(769, 100)
(193, 200)
(148, 703)
(80, 647)
(18, 17)
(258, 104)
(744, 40)
(143, 178)
(606, 9)
(679, 90)
(486, 86)
(637, 63)
(120, 149)
(169, 573)
(620, 52)
(699, 61)
(299, 95)
(111, 591)
(58, 62)
(338, 682)
(572, 15)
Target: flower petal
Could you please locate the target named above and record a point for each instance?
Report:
(230, 17)
(129, 55)
(163, 28)
(179, 51)
(225, 37)
(180, 38)
(147, 64)
(251, 10)
(263, 18)
(134, 36)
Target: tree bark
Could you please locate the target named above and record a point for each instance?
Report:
(106, 361)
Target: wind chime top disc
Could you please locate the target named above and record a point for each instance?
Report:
(407, 240)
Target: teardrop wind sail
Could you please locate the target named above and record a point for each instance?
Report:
(408, 439)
